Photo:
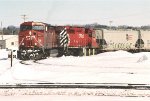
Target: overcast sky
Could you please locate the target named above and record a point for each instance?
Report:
(120, 12)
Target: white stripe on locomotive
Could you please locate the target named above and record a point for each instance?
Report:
(64, 38)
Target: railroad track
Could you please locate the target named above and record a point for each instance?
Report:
(78, 85)
(77, 89)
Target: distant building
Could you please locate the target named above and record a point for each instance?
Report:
(9, 42)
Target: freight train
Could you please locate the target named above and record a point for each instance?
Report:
(39, 40)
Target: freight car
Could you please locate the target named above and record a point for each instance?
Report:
(128, 40)
(144, 39)
(39, 40)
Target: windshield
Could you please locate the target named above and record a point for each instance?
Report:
(25, 27)
(28, 27)
(37, 27)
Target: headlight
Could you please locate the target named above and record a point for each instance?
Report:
(22, 43)
(35, 44)
(30, 33)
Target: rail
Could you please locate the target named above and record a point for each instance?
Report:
(78, 85)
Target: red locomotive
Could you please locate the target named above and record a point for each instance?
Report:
(77, 40)
(36, 39)
(39, 40)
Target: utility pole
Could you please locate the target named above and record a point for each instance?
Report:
(110, 22)
(2, 30)
(11, 58)
(24, 17)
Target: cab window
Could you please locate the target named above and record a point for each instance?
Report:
(25, 27)
(37, 27)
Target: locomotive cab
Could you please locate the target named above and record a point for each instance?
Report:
(31, 35)
(31, 39)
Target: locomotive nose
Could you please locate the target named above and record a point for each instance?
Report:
(29, 40)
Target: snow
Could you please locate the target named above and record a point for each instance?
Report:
(70, 98)
(3, 54)
(76, 92)
(108, 67)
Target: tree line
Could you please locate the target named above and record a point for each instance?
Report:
(10, 30)
(13, 30)
(95, 25)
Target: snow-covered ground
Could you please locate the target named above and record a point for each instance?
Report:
(70, 98)
(109, 67)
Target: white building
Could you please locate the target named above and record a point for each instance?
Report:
(9, 42)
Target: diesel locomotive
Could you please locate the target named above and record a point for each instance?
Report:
(39, 40)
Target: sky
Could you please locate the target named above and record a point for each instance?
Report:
(59, 12)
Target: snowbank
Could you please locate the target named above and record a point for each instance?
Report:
(109, 67)
(3, 54)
